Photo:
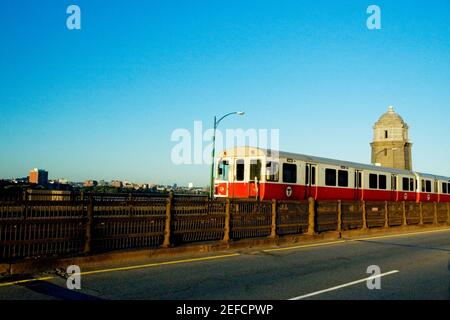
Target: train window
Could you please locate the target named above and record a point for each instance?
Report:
(405, 184)
(289, 173)
(330, 177)
(313, 176)
(444, 187)
(428, 186)
(307, 175)
(373, 181)
(223, 170)
(382, 182)
(448, 188)
(272, 173)
(411, 184)
(240, 170)
(343, 178)
(394, 183)
(255, 170)
(423, 185)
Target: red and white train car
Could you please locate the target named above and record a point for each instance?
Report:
(249, 172)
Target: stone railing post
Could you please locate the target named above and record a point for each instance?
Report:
(421, 214)
(168, 225)
(404, 213)
(339, 218)
(364, 216)
(386, 214)
(435, 219)
(226, 235)
(89, 226)
(448, 212)
(273, 230)
(311, 216)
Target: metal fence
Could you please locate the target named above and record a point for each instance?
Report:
(90, 223)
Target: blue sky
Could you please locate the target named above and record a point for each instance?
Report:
(103, 101)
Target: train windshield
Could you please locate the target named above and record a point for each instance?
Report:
(223, 170)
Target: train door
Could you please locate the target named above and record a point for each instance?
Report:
(255, 178)
(394, 192)
(310, 180)
(358, 185)
(239, 189)
(222, 180)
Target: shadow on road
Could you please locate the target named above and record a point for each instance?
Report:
(53, 290)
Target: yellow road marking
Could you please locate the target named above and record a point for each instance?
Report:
(306, 246)
(399, 235)
(353, 240)
(125, 268)
(160, 264)
(25, 281)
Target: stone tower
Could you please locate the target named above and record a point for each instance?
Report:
(391, 147)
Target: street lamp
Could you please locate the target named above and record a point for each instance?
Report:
(216, 123)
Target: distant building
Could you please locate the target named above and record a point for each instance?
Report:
(391, 146)
(190, 185)
(103, 183)
(21, 180)
(128, 185)
(38, 176)
(90, 183)
(116, 184)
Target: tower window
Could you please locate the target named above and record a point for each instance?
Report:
(385, 152)
(385, 134)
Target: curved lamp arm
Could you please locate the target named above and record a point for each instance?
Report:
(239, 113)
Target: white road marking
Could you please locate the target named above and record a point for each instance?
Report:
(344, 285)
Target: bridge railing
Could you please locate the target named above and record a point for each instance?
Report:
(92, 223)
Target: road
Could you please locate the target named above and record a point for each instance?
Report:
(415, 266)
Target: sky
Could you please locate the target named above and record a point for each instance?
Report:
(103, 102)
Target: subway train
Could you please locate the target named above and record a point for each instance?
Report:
(250, 172)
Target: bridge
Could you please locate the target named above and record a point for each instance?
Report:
(177, 247)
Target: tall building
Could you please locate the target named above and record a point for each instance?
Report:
(391, 146)
(38, 176)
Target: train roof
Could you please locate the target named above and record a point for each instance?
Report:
(335, 162)
(432, 176)
(254, 151)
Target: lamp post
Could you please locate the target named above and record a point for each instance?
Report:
(216, 123)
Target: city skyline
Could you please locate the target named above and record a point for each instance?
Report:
(102, 102)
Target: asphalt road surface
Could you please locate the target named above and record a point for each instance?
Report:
(414, 266)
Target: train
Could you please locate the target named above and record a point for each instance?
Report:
(264, 174)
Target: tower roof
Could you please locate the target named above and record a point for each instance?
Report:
(391, 119)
